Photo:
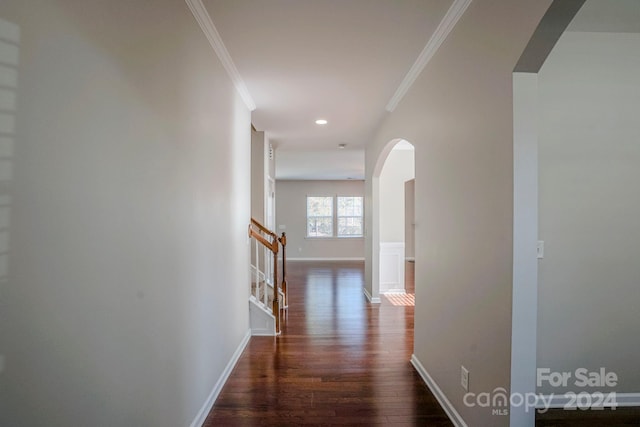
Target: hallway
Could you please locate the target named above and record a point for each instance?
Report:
(339, 360)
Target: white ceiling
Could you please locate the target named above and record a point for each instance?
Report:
(320, 164)
(341, 60)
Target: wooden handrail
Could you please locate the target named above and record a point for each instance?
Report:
(263, 228)
(272, 243)
(272, 246)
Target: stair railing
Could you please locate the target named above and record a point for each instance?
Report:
(270, 242)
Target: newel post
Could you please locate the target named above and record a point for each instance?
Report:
(283, 240)
(276, 291)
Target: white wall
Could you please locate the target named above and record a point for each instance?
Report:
(258, 174)
(589, 212)
(129, 208)
(397, 169)
(262, 168)
(409, 218)
(291, 211)
(459, 117)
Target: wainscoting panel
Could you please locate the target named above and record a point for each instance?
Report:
(392, 267)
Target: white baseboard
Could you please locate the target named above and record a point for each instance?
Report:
(570, 403)
(371, 299)
(628, 399)
(394, 292)
(262, 333)
(453, 415)
(326, 259)
(217, 388)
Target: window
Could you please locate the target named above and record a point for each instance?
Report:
(319, 216)
(347, 214)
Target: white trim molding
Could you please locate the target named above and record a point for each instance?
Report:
(371, 299)
(451, 412)
(569, 403)
(206, 24)
(217, 388)
(449, 21)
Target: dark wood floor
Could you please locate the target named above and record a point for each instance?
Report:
(339, 361)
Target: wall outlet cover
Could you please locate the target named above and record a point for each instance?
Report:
(540, 249)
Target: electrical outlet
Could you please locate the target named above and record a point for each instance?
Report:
(540, 249)
(464, 378)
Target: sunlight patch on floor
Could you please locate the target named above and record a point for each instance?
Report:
(401, 299)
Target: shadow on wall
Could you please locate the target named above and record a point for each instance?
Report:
(9, 58)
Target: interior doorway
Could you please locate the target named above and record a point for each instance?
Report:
(395, 176)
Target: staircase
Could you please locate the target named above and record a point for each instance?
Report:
(267, 299)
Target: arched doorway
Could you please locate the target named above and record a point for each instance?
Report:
(391, 221)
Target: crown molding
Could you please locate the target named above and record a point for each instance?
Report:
(449, 21)
(206, 24)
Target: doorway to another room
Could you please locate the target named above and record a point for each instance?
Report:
(397, 224)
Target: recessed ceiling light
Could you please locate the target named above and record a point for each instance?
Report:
(321, 122)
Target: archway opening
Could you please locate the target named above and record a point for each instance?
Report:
(393, 212)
